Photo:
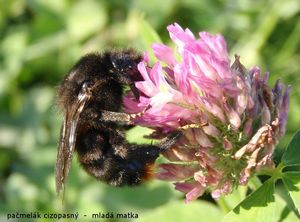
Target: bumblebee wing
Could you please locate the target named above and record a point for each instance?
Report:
(68, 140)
(61, 157)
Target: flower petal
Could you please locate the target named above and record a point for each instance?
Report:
(164, 53)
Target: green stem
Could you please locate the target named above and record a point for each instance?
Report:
(254, 183)
(278, 172)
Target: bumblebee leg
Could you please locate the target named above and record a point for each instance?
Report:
(95, 118)
(169, 140)
(109, 116)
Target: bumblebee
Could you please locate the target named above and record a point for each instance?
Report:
(90, 98)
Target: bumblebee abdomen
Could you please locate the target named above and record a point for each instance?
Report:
(106, 155)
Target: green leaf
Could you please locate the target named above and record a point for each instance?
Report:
(291, 181)
(228, 202)
(262, 205)
(283, 213)
(258, 206)
(292, 154)
(149, 36)
(85, 19)
(178, 211)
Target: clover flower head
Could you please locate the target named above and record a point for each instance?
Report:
(230, 117)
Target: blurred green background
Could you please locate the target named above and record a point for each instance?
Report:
(41, 39)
